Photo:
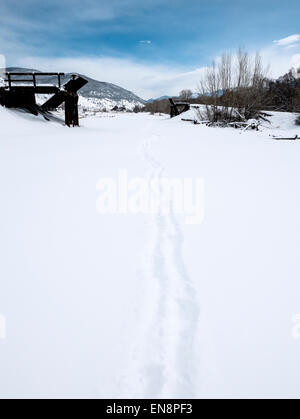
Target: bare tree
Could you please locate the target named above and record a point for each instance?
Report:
(186, 94)
(234, 88)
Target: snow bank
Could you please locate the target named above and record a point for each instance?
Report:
(281, 123)
(142, 306)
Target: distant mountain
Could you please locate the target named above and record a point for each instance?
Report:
(95, 94)
(159, 98)
(194, 96)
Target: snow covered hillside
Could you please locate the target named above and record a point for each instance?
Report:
(144, 305)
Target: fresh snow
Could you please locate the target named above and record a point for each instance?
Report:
(281, 123)
(131, 306)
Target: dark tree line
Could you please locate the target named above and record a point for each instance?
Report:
(284, 93)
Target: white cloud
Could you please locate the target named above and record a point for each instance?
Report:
(146, 42)
(145, 80)
(68, 11)
(296, 61)
(293, 46)
(149, 79)
(290, 40)
(282, 56)
(2, 61)
(2, 66)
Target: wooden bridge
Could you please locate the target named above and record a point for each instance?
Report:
(177, 108)
(20, 93)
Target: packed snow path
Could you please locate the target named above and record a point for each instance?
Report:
(90, 301)
(163, 363)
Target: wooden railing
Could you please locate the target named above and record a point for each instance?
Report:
(32, 78)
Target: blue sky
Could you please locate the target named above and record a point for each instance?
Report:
(137, 44)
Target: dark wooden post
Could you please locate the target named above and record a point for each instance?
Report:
(71, 109)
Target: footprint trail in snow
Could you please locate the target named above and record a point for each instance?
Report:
(163, 364)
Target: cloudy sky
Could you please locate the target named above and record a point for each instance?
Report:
(152, 47)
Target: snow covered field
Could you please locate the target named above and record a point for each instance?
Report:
(129, 305)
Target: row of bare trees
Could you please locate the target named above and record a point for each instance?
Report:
(157, 106)
(233, 89)
(236, 88)
(284, 94)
